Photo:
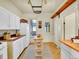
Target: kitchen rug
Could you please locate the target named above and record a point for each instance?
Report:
(30, 53)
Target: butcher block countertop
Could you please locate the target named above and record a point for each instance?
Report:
(14, 39)
(71, 44)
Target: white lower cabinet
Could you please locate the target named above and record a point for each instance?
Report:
(15, 48)
(26, 41)
(68, 53)
(65, 54)
(4, 50)
(75, 54)
(15, 52)
(5, 53)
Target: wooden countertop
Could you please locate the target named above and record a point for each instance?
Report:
(12, 39)
(71, 44)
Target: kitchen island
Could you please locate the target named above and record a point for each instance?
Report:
(15, 46)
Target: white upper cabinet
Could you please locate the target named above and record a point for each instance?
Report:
(8, 20)
(4, 19)
(17, 22)
(14, 21)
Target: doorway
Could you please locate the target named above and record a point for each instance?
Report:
(33, 27)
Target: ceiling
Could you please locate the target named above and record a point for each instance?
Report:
(48, 7)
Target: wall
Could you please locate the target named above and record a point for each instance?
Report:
(44, 17)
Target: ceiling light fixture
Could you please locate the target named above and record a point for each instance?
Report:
(36, 9)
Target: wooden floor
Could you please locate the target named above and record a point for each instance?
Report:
(53, 48)
(55, 51)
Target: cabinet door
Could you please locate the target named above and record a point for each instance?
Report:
(15, 52)
(5, 50)
(12, 21)
(16, 49)
(17, 22)
(74, 53)
(65, 54)
(25, 42)
(4, 19)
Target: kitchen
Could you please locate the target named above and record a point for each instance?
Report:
(58, 23)
(11, 39)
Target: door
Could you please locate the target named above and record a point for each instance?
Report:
(70, 26)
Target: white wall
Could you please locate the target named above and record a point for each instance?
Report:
(48, 37)
(10, 6)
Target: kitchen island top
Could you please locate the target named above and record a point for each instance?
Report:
(12, 38)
